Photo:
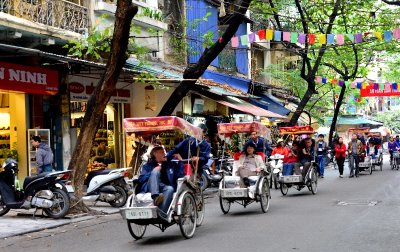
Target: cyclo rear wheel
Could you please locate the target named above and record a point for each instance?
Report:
(137, 231)
(200, 208)
(264, 196)
(224, 204)
(314, 181)
(188, 217)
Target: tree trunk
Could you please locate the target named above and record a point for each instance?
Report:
(336, 113)
(209, 54)
(300, 107)
(99, 99)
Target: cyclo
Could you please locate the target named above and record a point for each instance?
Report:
(187, 206)
(310, 180)
(378, 160)
(229, 189)
(366, 162)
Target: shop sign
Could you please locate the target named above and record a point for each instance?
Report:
(296, 130)
(81, 90)
(369, 91)
(28, 79)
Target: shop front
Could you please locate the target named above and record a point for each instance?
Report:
(107, 147)
(20, 86)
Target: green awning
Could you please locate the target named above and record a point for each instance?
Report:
(351, 120)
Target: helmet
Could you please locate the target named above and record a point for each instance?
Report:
(10, 165)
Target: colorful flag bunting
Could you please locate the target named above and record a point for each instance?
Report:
(261, 34)
(302, 38)
(330, 39)
(394, 86)
(235, 42)
(244, 40)
(324, 80)
(359, 85)
(378, 35)
(318, 79)
(396, 34)
(277, 35)
(269, 34)
(322, 39)
(252, 37)
(294, 37)
(358, 38)
(286, 36)
(376, 86)
(341, 83)
(350, 37)
(340, 39)
(311, 39)
(388, 36)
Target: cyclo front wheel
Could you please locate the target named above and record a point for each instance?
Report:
(224, 204)
(264, 196)
(137, 231)
(200, 208)
(284, 189)
(188, 217)
(314, 181)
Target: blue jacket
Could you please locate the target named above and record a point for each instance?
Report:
(183, 149)
(170, 172)
(261, 146)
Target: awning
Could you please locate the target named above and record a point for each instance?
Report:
(233, 81)
(267, 103)
(233, 101)
(352, 120)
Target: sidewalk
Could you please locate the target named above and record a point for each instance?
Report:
(19, 222)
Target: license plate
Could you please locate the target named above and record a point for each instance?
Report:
(292, 179)
(70, 189)
(234, 193)
(138, 213)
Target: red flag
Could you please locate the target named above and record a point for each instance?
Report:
(311, 39)
(261, 34)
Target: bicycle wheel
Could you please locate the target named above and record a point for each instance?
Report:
(188, 217)
(284, 189)
(224, 204)
(264, 196)
(137, 231)
(314, 182)
(200, 209)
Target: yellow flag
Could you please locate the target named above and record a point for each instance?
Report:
(378, 35)
(269, 34)
(322, 39)
(364, 85)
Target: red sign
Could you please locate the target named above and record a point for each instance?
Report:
(370, 91)
(241, 127)
(296, 130)
(28, 79)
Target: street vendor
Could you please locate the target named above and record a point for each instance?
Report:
(159, 177)
(191, 148)
(260, 143)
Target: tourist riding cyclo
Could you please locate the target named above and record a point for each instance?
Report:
(167, 191)
(365, 157)
(249, 181)
(375, 148)
(305, 170)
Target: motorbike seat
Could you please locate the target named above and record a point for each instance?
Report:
(28, 180)
(93, 174)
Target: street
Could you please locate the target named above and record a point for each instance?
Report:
(347, 214)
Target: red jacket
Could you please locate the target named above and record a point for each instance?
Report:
(340, 151)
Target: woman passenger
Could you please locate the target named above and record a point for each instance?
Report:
(249, 165)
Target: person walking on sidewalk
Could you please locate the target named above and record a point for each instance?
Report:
(44, 155)
(340, 155)
(355, 149)
(320, 150)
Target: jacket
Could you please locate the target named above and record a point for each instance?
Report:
(393, 146)
(170, 172)
(259, 162)
(44, 155)
(183, 149)
(321, 145)
(360, 148)
(340, 150)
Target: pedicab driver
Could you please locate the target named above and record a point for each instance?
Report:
(249, 165)
(188, 149)
(260, 143)
(159, 177)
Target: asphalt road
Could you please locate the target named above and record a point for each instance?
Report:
(347, 214)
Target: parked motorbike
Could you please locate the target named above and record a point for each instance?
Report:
(276, 166)
(330, 157)
(222, 165)
(107, 186)
(45, 191)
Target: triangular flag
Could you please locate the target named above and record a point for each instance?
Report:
(252, 37)
(235, 42)
(277, 35)
(294, 37)
(322, 39)
(378, 35)
(388, 36)
(286, 36)
(244, 40)
(311, 39)
(302, 38)
(330, 38)
(269, 34)
(340, 39)
(358, 38)
(261, 34)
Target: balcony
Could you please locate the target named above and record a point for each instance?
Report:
(59, 14)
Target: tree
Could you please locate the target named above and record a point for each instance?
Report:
(100, 97)
(193, 72)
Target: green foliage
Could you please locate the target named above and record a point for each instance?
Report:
(152, 13)
(208, 39)
(390, 119)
